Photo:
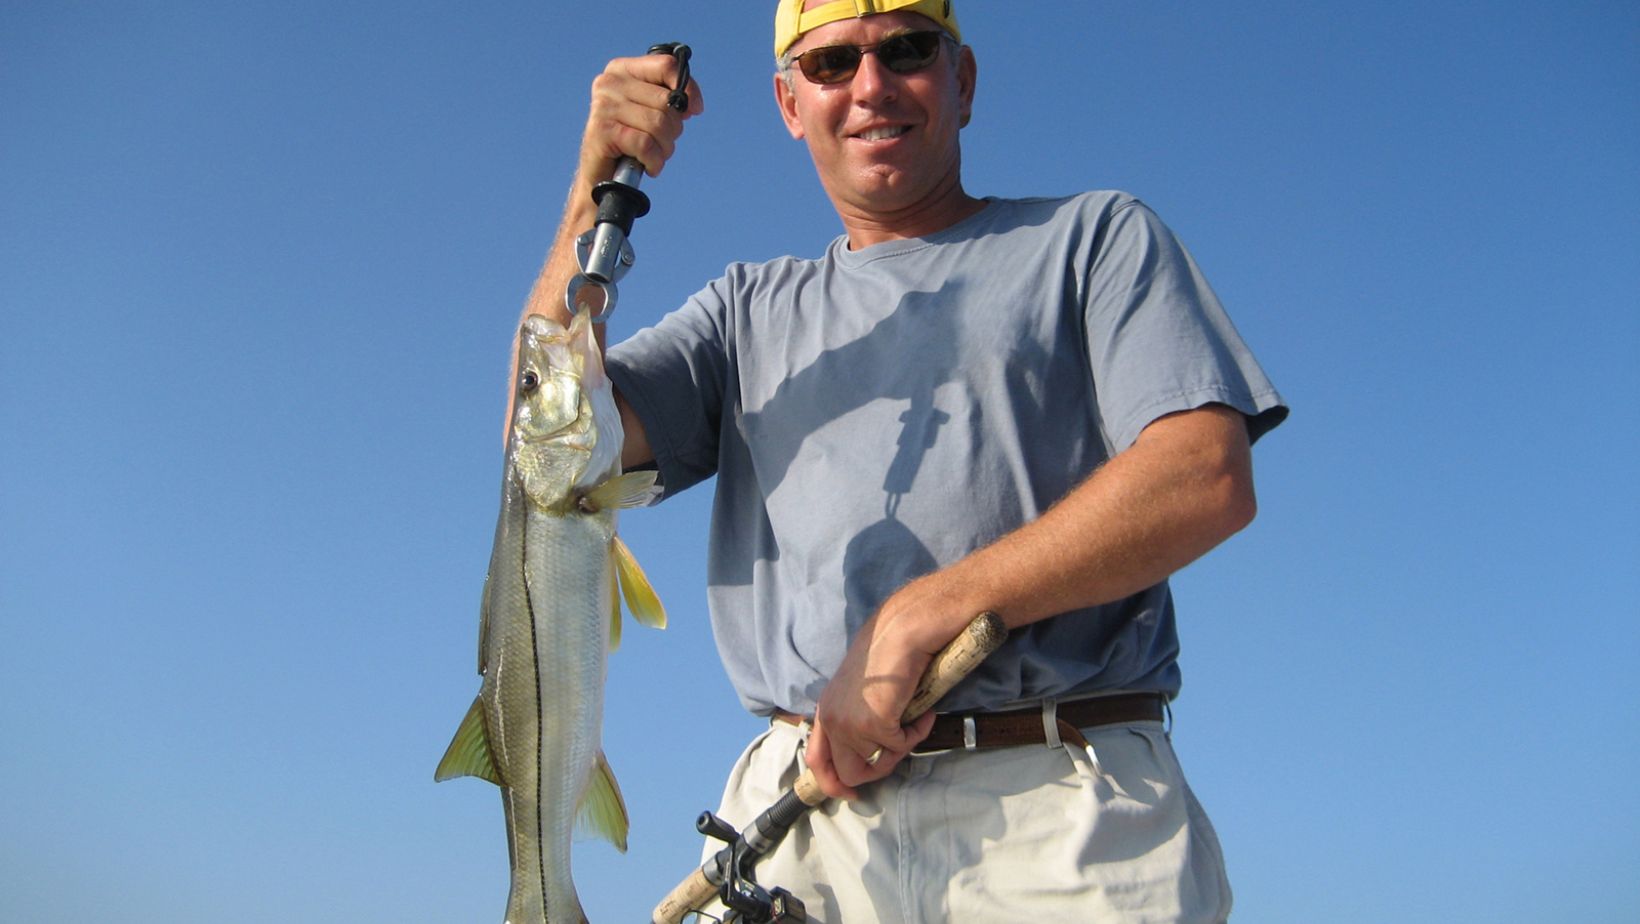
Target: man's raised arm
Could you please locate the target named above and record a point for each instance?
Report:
(629, 117)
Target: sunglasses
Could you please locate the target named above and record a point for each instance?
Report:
(907, 53)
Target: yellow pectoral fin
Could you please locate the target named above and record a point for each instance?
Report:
(603, 812)
(633, 489)
(469, 752)
(640, 595)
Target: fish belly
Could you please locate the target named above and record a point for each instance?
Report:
(548, 675)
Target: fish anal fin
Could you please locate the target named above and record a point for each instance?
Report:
(603, 811)
(469, 751)
(641, 599)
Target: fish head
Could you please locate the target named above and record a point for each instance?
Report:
(561, 437)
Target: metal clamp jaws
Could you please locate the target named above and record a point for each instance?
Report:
(604, 253)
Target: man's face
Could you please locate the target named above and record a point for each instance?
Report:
(882, 142)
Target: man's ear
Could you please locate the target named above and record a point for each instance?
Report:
(787, 101)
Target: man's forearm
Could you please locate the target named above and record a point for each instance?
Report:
(630, 116)
(1183, 487)
(547, 294)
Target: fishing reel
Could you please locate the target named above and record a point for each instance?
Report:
(604, 253)
(748, 902)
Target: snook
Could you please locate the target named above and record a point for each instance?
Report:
(549, 617)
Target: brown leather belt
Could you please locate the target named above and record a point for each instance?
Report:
(1024, 726)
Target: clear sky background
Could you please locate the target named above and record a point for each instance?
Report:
(259, 268)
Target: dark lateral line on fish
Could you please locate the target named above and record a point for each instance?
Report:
(535, 663)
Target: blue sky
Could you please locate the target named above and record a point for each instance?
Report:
(259, 268)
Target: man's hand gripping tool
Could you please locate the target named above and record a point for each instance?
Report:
(604, 252)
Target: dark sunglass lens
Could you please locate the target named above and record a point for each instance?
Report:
(905, 54)
(830, 65)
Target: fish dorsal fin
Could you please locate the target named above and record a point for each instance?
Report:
(602, 811)
(469, 752)
(633, 489)
(641, 599)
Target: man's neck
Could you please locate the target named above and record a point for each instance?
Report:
(865, 228)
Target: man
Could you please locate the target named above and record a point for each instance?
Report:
(1030, 407)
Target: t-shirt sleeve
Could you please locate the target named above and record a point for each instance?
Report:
(674, 375)
(1158, 340)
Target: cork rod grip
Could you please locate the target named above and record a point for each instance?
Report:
(983, 636)
(690, 894)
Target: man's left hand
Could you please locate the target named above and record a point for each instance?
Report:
(859, 711)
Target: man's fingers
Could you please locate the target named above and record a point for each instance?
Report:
(697, 99)
(622, 122)
(658, 73)
(919, 729)
(841, 766)
(857, 768)
(819, 758)
(630, 115)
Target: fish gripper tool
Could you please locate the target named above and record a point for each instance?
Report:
(604, 252)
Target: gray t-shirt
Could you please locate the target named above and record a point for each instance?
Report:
(874, 415)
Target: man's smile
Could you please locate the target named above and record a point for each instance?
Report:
(881, 132)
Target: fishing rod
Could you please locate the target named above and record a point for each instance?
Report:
(604, 253)
(729, 874)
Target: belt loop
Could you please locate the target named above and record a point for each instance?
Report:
(1167, 715)
(970, 738)
(1050, 721)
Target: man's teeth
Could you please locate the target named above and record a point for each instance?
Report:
(880, 134)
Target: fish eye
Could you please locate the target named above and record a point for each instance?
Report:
(528, 381)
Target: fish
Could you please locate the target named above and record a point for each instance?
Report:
(550, 615)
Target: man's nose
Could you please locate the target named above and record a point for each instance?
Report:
(872, 81)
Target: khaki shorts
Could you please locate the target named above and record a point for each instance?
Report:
(1031, 833)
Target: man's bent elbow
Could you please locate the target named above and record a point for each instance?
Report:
(1240, 505)
(1236, 500)
(1232, 498)
(635, 448)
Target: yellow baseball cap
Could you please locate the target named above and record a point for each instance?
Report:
(791, 20)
